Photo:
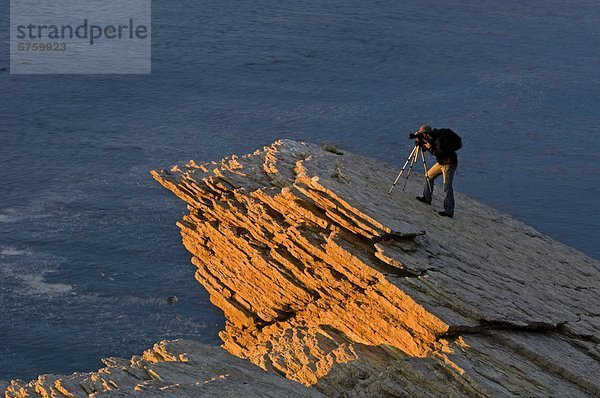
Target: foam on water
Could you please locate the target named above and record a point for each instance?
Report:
(12, 251)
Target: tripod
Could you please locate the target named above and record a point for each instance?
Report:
(412, 158)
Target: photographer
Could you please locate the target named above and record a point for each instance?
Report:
(443, 144)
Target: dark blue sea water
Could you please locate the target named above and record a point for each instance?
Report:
(89, 250)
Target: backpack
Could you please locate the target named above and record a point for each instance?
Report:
(452, 140)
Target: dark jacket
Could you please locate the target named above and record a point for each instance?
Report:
(439, 148)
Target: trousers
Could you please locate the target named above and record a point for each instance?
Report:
(447, 170)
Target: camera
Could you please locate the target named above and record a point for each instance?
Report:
(419, 138)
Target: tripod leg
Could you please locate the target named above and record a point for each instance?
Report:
(412, 163)
(425, 168)
(410, 157)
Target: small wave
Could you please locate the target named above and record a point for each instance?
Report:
(6, 218)
(133, 301)
(35, 284)
(12, 251)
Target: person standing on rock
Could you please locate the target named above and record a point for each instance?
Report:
(443, 144)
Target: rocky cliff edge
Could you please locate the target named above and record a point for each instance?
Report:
(329, 281)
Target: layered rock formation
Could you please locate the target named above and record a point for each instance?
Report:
(327, 280)
(170, 369)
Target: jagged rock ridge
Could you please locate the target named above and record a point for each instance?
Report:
(179, 368)
(330, 281)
